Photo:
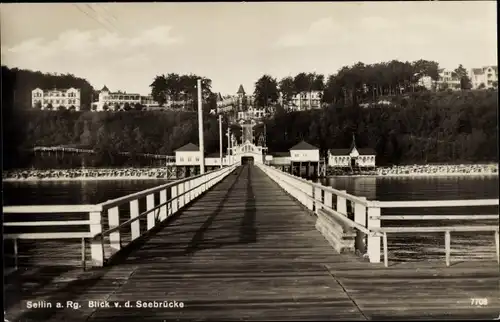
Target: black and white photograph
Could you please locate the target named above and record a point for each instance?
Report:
(250, 161)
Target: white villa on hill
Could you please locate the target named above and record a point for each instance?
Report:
(68, 98)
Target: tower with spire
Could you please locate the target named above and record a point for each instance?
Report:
(241, 97)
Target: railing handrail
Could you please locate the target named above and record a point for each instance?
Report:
(435, 217)
(435, 229)
(437, 203)
(144, 213)
(114, 202)
(340, 193)
(48, 209)
(343, 218)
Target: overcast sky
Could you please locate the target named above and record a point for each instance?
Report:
(125, 45)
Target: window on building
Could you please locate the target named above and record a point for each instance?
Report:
(181, 159)
(189, 159)
(197, 158)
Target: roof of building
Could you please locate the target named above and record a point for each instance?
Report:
(214, 155)
(190, 147)
(366, 151)
(240, 90)
(340, 151)
(480, 71)
(281, 154)
(104, 89)
(303, 145)
(343, 152)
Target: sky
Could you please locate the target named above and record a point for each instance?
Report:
(125, 45)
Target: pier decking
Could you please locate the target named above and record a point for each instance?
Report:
(246, 250)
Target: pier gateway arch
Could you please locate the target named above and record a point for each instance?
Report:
(248, 153)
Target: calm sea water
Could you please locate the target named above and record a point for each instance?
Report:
(72, 192)
(373, 188)
(421, 188)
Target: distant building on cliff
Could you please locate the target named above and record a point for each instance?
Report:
(56, 98)
(485, 77)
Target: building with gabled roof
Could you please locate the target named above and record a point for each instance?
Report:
(188, 155)
(56, 98)
(352, 158)
(485, 77)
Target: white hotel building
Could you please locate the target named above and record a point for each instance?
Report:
(67, 98)
(113, 99)
(302, 101)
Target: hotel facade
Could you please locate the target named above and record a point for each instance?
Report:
(56, 98)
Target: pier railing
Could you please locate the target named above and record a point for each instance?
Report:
(365, 215)
(104, 223)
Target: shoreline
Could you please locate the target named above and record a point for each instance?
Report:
(132, 178)
(418, 175)
(110, 178)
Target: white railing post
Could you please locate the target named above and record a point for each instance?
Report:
(174, 204)
(328, 199)
(150, 204)
(187, 195)
(497, 245)
(114, 221)
(318, 197)
(360, 218)
(163, 209)
(373, 239)
(135, 228)
(447, 244)
(96, 249)
(182, 196)
(342, 204)
(310, 193)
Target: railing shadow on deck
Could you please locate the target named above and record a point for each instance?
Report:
(247, 230)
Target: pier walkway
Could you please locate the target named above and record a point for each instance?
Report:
(247, 250)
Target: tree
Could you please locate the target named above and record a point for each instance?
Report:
(38, 105)
(481, 86)
(287, 89)
(159, 89)
(461, 73)
(105, 107)
(116, 107)
(266, 91)
(49, 106)
(72, 108)
(138, 107)
(126, 107)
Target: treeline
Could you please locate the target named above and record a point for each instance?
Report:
(416, 128)
(107, 134)
(357, 83)
(17, 85)
(181, 89)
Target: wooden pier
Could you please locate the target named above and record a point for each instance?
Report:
(253, 243)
